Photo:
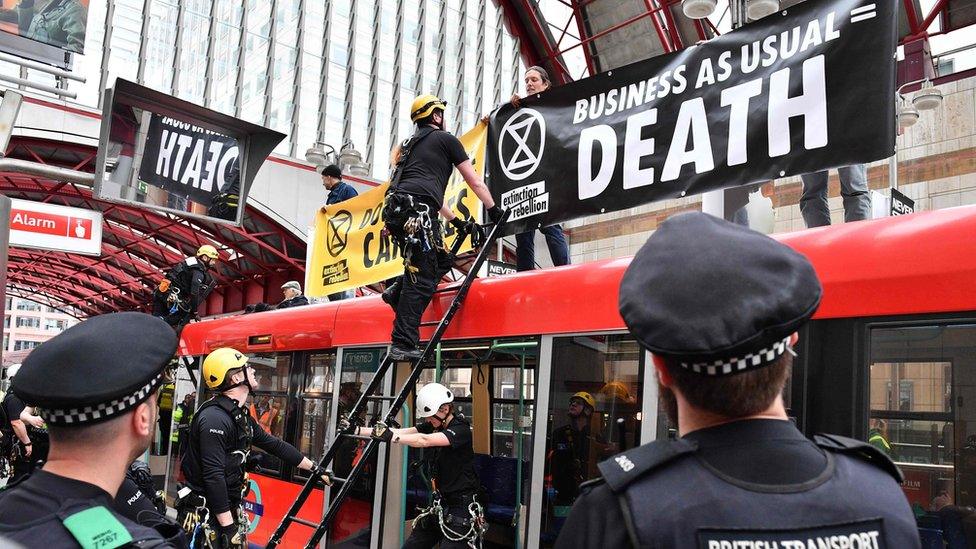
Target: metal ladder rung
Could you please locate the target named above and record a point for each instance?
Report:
(304, 522)
(447, 289)
(430, 323)
(356, 437)
(381, 397)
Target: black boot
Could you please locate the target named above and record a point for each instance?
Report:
(391, 295)
(404, 354)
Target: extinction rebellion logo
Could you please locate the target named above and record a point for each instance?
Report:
(521, 146)
(337, 235)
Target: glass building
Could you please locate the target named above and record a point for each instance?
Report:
(316, 70)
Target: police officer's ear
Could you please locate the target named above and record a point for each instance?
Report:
(143, 419)
(662, 371)
(794, 338)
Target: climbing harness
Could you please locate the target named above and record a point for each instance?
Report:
(476, 528)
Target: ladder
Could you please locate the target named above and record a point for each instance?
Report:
(368, 395)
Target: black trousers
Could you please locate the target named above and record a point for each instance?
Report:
(428, 532)
(417, 291)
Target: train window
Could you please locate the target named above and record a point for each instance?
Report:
(922, 379)
(509, 413)
(316, 404)
(268, 403)
(595, 401)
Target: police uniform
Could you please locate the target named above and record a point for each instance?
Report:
(456, 481)
(570, 461)
(717, 299)
(221, 435)
(94, 371)
(192, 282)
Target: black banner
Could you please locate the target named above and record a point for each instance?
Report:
(190, 161)
(808, 88)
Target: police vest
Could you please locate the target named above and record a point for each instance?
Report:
(674, 499)
(234, 467)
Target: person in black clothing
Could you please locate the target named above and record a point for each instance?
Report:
(186, 285)
(719, 306)
(138, 501)
(221, 435)
(415, 197)
(571, 452)
(293, 295)
(96, 431)
(454, 481)
(29, 439)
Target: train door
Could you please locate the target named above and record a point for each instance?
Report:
(922, 413)
(494, 386)
(185, 404)
(357, 524)
(592, 399)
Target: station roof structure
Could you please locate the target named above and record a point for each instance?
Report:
(138, 245)
(573, 39)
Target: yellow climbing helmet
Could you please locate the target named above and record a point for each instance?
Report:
(209, 251)
(219, 362)
(585, 397)
(423, 105)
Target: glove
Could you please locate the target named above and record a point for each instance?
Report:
(382, 433)
(495, 213)
(229, 537)
(322, 473)
(461, 226)
(345, 426)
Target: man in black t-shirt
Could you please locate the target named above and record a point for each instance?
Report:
(417, 192)
(29, 441)
(453, 480)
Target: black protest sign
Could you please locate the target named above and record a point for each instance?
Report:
(190, 161)
(806, 89)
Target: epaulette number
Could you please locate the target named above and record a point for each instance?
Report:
(624, 463)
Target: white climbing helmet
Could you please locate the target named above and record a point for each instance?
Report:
(431, 397)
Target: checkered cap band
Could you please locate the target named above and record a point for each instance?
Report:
(754, 360)
(87, 414)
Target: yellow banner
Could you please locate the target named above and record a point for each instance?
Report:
(349, 249)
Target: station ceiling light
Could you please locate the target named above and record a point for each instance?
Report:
(698, 9)
(757, 9)
(928, 97)
(907, 114)
(318, 155)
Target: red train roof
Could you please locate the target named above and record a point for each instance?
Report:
(922, 263)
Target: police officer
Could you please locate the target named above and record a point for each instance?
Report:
(415, 197)
(30, 438)
(221, 435)
(186, 285)
(95, 385)
(571, 449)
(455, 519)
(719, 307)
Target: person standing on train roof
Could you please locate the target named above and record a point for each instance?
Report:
(455, 519)
(719, 306)
(221, 434)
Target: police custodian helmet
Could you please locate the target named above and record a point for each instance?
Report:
(424, 105)
(98, 369)
(219, 362)
(716, 298)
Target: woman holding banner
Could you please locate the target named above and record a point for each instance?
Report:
(537, 81)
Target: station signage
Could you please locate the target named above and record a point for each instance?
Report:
(58, 228)
(901, 204)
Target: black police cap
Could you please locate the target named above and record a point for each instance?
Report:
(97, 369)
(714, 297)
